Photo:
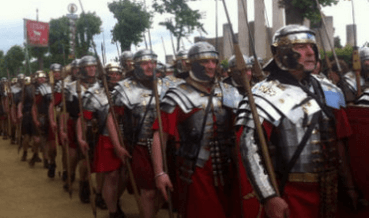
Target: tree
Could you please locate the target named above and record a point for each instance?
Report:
(297, 10)
(337, 43)
(87, 25)
(184, 20)
(59, 40)
(132, 21)
(13, 60)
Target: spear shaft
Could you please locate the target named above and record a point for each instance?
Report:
(240, 63)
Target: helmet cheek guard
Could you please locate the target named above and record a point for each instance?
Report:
(198, 72)
(139, 57)
(198, 52)
(282, 49)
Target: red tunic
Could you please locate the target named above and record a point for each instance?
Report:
(304, 198)
(203, 198)
(105, 159)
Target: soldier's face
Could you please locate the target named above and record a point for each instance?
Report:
(57, 75)
(307, 59)
(114, 76)
(210, 66)
(91, 70)
(41, 80)
(148, 67)
(75, 71)
(366, 65)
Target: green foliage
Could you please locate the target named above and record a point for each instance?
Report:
(132, 21)
(87, 25)
(307, 8)
(13, 60)
(224, 64)
(337, 43)
(58, 40)
(344, 53)
(184, 20)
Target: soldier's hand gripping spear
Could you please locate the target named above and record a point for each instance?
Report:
(65, 143)
(161, 139)
(82, 126)
(119, 135)
(240, 63)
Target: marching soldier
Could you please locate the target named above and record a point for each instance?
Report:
(39, 113)
(350, 76)
(105, 160)
(53, 114)
(127, 63)
(14, 88)
(200, 113)
(298, 112)
(135, 101)
(235, 78)
(88, 75)
(4, 108)
(71, 117)
(182, 64)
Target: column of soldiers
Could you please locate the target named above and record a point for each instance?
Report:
(215, 160)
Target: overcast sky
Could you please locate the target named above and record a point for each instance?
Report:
(13, 12)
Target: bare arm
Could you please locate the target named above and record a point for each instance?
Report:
(121, 152)
(162, 179)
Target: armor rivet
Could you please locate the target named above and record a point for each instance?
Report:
(201, 94)
(281, 100)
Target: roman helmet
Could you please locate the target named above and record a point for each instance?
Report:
(27, 80)
(112, 67)
(85, 61)
(20, 77)
(127, 57)
(140, 56)
(201, 51)
(180, 67)
(14, 80)
(283, 40)
(234, 72)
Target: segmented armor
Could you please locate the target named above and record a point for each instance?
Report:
(135, 97)
(217, 138)
(291, 109)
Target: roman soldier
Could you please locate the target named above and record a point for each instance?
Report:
(200, 114)
(235, 78)
(182, 64)
(88, 81)
(350, 76)
(298, 112)
(54, 109)
(127, 63)
(68, 133)
(39, 111)
(135, 101)
(105, 160)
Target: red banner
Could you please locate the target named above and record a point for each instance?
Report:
(36, 33)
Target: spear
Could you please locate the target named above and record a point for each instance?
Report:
(257, 66)
(356, 63)
(240, 64)
(327, 35)
(120, 137)
(64, 120)
(127, 162)
(87, 156)
(158, 111)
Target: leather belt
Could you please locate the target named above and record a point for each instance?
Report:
(303, 177)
